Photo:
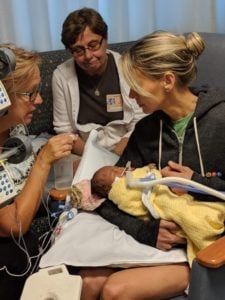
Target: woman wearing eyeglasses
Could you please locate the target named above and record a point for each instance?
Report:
(89, 90)
(22, 185)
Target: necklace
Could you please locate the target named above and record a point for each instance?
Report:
(96, 87)
(97, 92)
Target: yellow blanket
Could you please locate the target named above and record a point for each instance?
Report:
(129, 199)
(201, 222)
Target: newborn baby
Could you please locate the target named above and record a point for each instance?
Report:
(201, 222)
(88, 195)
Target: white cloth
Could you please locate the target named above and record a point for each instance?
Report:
(66, 107)
(93, 158)
(89, 240)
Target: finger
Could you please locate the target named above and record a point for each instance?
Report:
(65, 140)
(166, 171)
(175, 166)
(164, 246)
(74, 137)
(66, 137)
(176, 240)
(182, 241)
(169, 225)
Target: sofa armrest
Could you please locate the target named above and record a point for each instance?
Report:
(213, 256)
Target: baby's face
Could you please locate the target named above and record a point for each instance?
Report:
(109, 173)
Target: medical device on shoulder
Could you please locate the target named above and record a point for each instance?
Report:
(52, 283)
(4, 100)
(18, 148)
(7, 62)
(7, 188)
(178, 182)
(7, 65)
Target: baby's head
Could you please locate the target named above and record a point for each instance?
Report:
(103, 179)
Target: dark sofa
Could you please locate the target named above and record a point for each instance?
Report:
(206, 284)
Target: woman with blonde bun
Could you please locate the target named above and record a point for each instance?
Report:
(159, 69)
(181, 135)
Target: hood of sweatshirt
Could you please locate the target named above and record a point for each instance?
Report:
(209, 101)
(208, 98)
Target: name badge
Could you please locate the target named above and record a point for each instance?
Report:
(114, 103)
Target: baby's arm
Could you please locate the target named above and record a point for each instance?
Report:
(82, 198)
(76, 196)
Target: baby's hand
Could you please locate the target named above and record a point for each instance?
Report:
(152, 166)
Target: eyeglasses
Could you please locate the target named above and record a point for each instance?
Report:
(32, 95)
(92, 46)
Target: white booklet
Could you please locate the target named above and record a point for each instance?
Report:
(94, 157)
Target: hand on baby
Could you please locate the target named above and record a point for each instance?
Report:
(177, 170)
(167, 238)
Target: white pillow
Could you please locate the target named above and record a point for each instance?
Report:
(93, 158)
(89, 240)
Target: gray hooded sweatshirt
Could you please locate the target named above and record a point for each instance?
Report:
(155, 141)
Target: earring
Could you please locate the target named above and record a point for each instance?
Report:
(167, 89)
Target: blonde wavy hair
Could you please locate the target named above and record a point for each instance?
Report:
(26, 64)
(159, 52)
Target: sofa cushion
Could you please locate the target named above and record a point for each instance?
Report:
(43, 116)
(211, 64)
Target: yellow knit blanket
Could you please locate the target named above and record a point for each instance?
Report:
(201, 222)
(129, 199)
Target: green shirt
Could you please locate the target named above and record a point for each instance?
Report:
(181, 124)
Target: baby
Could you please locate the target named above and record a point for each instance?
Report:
(201, 222)
(88, 195)
(110, 181)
